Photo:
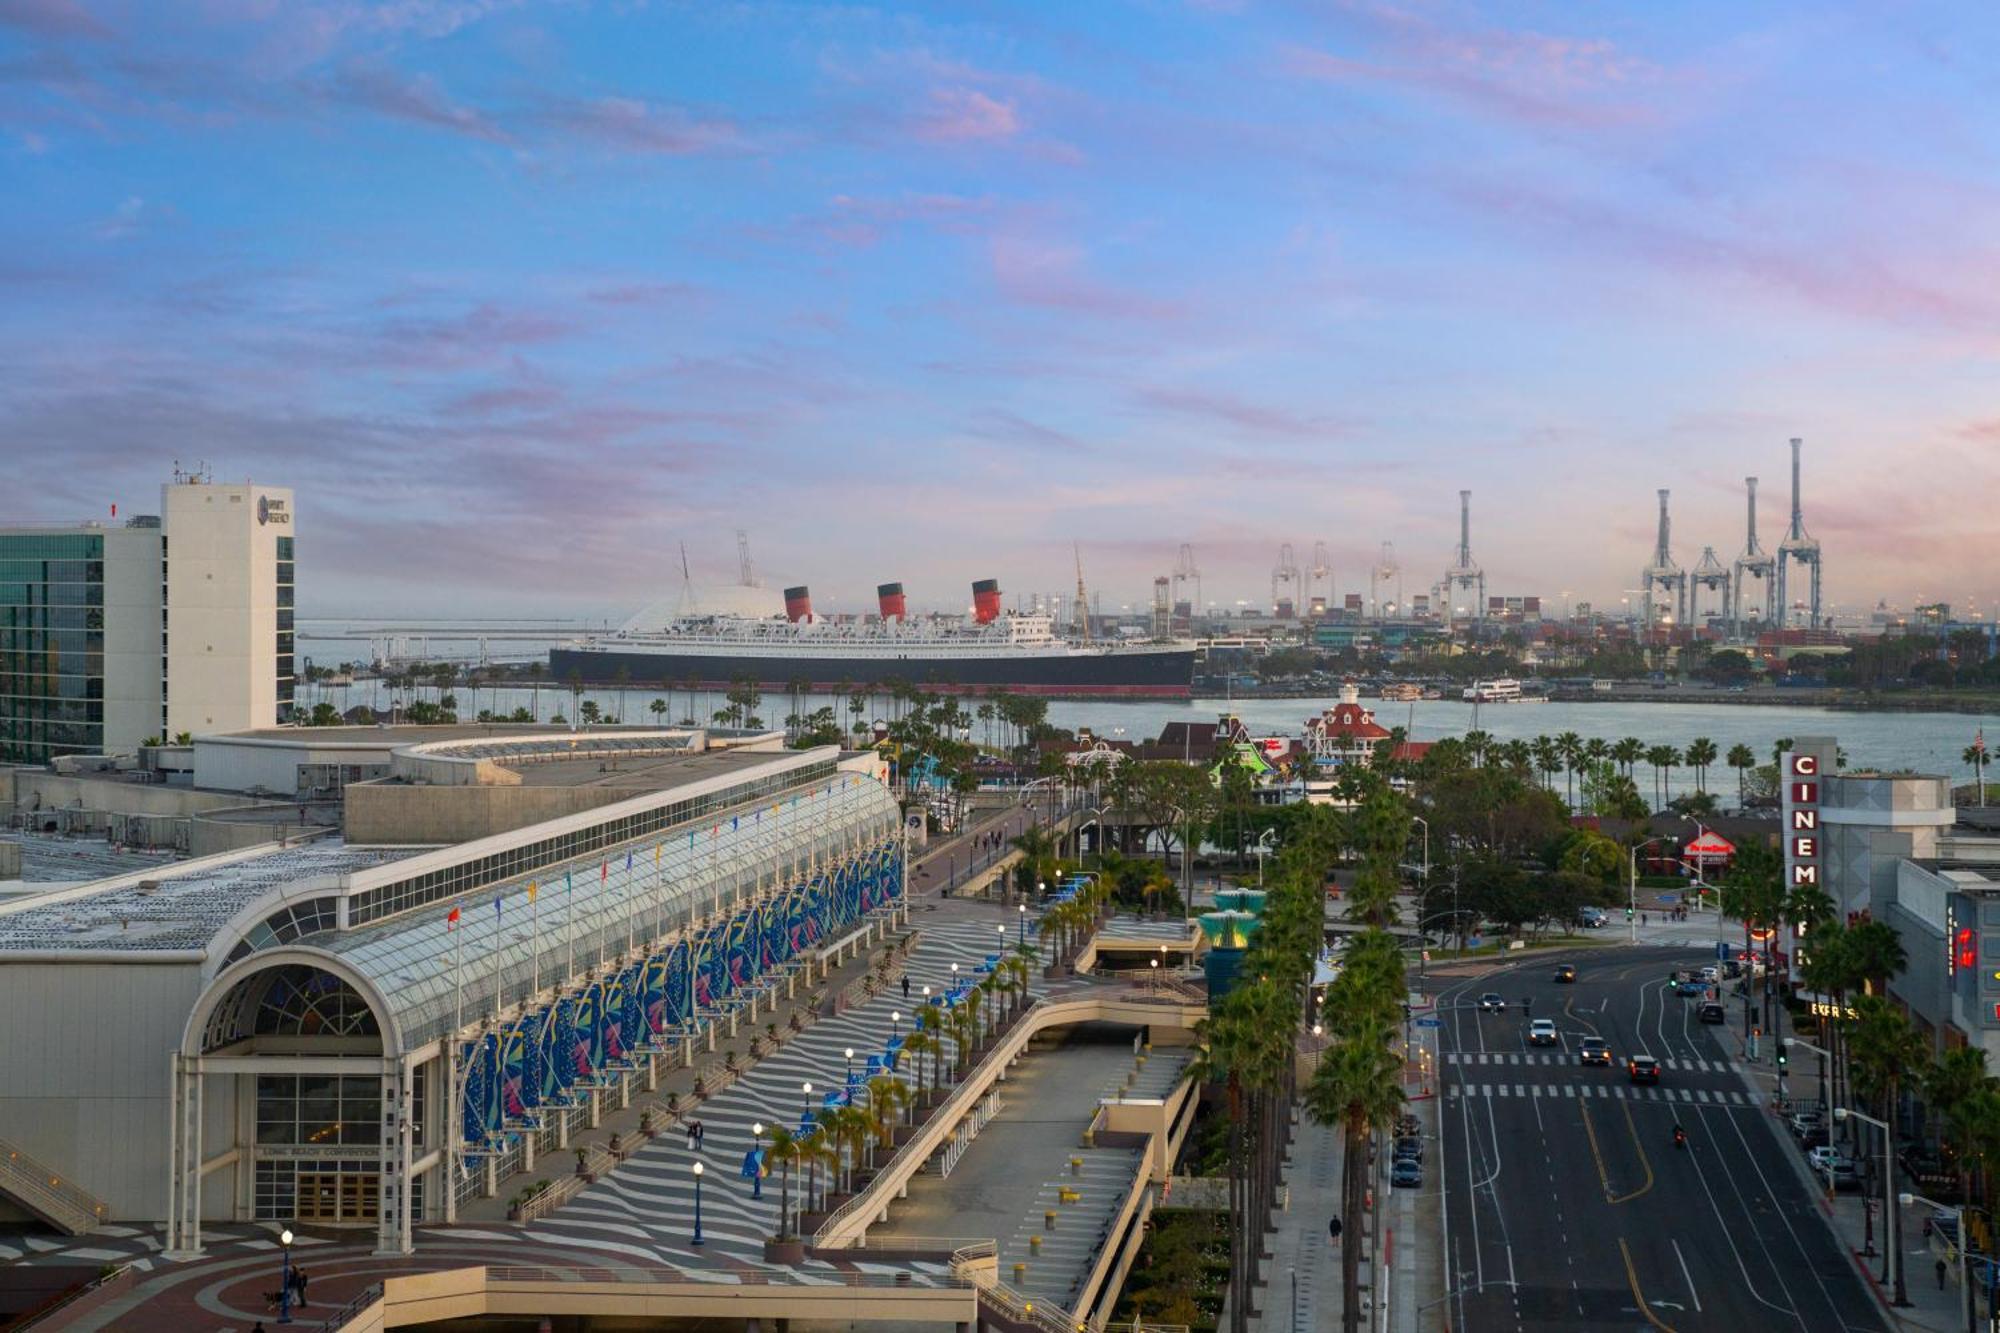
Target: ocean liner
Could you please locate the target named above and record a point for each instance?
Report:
(989, 650)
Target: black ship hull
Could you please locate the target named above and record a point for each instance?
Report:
(1166, 675)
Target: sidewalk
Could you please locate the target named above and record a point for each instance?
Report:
(1303, 1291)
(1929, 1307)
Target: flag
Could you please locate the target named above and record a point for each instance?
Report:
(531, 890)
(603, 871)
(628, 860)
(656, 854)
(496, 907)
(451, 918)
(735, 821)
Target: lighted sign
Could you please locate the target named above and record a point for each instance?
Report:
(1964, 948)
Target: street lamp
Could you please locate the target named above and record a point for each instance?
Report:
(1632, 901)
(1892, 1225)
(850, 1064)
(1156, 974)
(807, 1089)
(756, 1166)
(1907, 1198)
(285, 1280)
(1024, 924)
(697, 1205)
(1823, 1054)
(1262, 850)
(895, 1023)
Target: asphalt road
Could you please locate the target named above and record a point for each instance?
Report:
(1567, 1205)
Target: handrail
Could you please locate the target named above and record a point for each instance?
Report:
(45, 1191)
(1047, 1315)
(114, 1274)
(749, 1277)
(347, 1313)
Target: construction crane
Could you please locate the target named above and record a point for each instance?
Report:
(1080, 613)
(1185, 573)
(1755, 563)
(1465, 571)
(1385, 570)
(1801, 548)
(744, 574)
(1284, 583)
(1663, 574)
(1320, 577)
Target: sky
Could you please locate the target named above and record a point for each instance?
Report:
(520, 298)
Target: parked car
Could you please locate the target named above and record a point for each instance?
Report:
(1406, 1174)
(1691, 986)
(1809, 1119)
(1816, 1137)
(1411, 1148)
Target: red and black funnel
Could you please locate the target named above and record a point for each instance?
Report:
(889, 596)
(798, 603)
(986, 600)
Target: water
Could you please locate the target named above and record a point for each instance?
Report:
(1923, 742)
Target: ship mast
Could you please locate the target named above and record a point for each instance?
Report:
(1080, 621)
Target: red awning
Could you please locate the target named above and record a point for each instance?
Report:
(1710, 845)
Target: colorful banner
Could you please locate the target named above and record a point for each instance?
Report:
(520, 1084)
(616, 1045)
(480, 1107)
(585, 1033)
(680, 979)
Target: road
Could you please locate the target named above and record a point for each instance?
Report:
(1567, 1205)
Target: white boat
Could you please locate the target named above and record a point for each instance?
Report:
(1503, 690)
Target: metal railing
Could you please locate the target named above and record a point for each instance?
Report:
(748, 1277)
(351, 1311)
(1022, 1308)
(597, 1163)
(46, 1192)
(110, 1275)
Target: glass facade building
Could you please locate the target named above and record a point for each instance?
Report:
(51, 645)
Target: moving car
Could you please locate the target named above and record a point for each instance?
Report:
(1711, 1013)
(1643, 1069)
(1542, 1032)
(1406, 1174)
(1690, 986)
(1567, 972)
(1594, 1051)
(1492, 1003)
(1590, 917)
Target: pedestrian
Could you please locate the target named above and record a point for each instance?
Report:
(700, 1133)
(1940, 1272)
(690, 1133)
(299, 1279)
(906, 988)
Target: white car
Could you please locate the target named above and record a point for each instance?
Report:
(1542, 1032)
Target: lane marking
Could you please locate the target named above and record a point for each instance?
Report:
(1644, 1160)
(1632, 1276)
(1693, 1295)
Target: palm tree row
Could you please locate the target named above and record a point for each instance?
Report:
(1249, 1042)
(1570, 756)
(1358, 1082)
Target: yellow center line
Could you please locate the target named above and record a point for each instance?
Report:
(1632, 1276)
(1643, 1159)
(1603, 1176)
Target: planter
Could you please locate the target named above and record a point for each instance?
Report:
(789, 1252)
(513, 1212)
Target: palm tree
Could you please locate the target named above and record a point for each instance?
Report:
(658, 708)
(1477, 743)
(1662, 758)
(1975, 754)
(784, 1150)
(888, 1097)
(922, 1041)
(1885, 1048)
(1877, 953)
(1741, 758)
(1548, 760)
(1779, 748)
(1356, 1087)
(1628, 752)
(1701, 753)
(1569, 746)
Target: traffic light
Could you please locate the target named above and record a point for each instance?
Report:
(1628, 914)
(1784, 1056)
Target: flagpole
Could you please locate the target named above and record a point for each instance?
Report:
(569, 926)
(497, 942)
(535, 931)
(455, 1132)
(631, 907)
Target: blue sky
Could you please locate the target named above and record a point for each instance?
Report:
(519, 297)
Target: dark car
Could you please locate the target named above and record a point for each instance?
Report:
(1690, 986)
(1406, 1174)
(1492, 1002)
(1816, 1137)
(1412, 1148)
(1594, 1051)
(1643, 1069)
(1566, 973)
(1711, 1013)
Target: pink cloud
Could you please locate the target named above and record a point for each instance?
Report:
(1053, 277)
(52, 18)
(628, 124)
(1259, 418)
(414, 98)
(967, 115)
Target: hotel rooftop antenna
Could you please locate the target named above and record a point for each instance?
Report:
(1663, 573)
(1465, 571)
(1755, 562)
(1800, 548)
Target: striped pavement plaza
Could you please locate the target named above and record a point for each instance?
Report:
(644, 1210)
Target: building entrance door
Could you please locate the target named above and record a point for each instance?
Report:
(339, 1197)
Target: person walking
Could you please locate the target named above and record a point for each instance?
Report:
(1940, 1272)
(906, 988)
(299, 1279)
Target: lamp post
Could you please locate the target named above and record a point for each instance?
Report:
(1156, 974)
(1023, 908)
(895, 1023)
(1907, 1198)
(285, 1278)
(850, 1064)
(757, 1167)
(1820, 1051)
(1632, 899)
(807, 1089)
(697, 1205)
(1892, 1238)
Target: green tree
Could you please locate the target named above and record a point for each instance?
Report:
(1701, 752)
(1741, 758)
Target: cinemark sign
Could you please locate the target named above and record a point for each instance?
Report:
(1802, 833)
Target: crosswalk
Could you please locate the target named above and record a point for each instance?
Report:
(1564, 1058)
(1601, 1092)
